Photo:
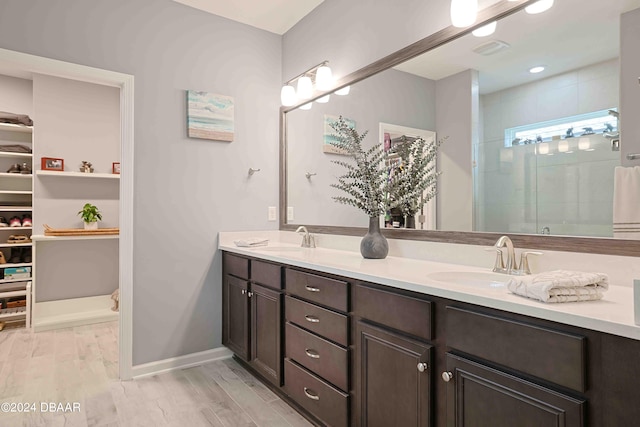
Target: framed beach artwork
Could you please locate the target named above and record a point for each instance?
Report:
(329, 133)
(209, 116)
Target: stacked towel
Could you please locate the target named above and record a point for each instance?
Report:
(560, 286)
(626, 203)
(251, 243)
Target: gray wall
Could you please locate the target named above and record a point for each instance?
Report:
(186, 189)
(629, 85)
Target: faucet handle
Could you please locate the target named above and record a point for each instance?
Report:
(499, 264)
(524, 261)
(312, 241)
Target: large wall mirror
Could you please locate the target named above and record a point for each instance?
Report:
(529, 154)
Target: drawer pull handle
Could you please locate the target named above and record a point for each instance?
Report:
(312, 319)
(310, 394)
(422, 367)
(312, 353)
(447, 376)
(312, 288)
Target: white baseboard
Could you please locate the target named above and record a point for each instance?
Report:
(180, 362)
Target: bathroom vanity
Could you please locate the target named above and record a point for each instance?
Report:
(353, 342)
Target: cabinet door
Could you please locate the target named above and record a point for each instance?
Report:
(235, 316)
(478, 395)
(393, 380)
(266, 326)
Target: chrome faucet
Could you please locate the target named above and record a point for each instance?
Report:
(512, 265)
(308, 240)
(511, 254)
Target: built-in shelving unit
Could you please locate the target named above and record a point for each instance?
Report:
(62, 174)
(16, 128)
(15, 175)
(11, 154)
(13, 245)
(15, 192)
(16, 208)
(41, 238)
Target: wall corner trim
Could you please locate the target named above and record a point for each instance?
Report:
(180, 362)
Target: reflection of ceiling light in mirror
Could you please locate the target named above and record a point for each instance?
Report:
(543, 148)
(563, 146)
(485, 31)
(305, 87)
(306, 106)
(506, 155)
(288, 96)
(584, 144)
(539, 7)
(536, 70)
(324, 80)
(491, 47)
(344, 91)
(324, 99)
(463, 12)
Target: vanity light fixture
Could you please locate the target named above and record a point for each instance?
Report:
(486, 30)
(324, 99)
(543, 148)
(344, 91)
(463, 12)
(317, 77)
(537, 69)
(306, 106)
(539, 7)
(563, 146)
(584, 144)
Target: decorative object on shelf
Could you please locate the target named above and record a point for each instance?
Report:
(51, 164)
(115, 167)
(90, 215)
(86, 167)
(115, 296)
(62, 232)
(365, 183)
(569, 133)
(210, 116)
(329, 141)
(588, 131)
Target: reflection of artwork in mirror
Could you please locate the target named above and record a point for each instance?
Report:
(330, 138)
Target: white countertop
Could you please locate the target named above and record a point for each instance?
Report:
(613, 314)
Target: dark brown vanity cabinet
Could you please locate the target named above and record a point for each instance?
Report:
(393, 360)
(252, 314)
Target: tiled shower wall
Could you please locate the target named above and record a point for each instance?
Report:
(520, 191)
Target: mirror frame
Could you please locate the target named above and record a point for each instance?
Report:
(593, 245)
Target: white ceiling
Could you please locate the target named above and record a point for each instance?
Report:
(277, 16)
(572, 34)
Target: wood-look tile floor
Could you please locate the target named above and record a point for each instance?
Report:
(79, 365)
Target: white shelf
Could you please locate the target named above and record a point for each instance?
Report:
(16, 128)
(78, 174)
(12, 294)
(13, 312)
(15, 175)
(73, 312)
(15, 228)
(42, 238)
(11, 154)
(16, 208)
(16, 265)
(14, 245)
(15, 192)
(28, 279)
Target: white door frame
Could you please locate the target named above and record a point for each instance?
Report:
(36, 64)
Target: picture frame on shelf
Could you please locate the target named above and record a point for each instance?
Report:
(115, 168)
(51, 164)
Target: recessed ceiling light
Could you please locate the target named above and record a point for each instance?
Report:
(536, 70)
(539, 7)
(486, 30)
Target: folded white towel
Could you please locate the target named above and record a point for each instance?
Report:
(560, 286)
(626, 200)
(251, 243)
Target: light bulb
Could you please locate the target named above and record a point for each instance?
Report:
(539, 7)
(324, 99)
(324, 80)
(563, 146)
(306, 106)
(486, 30)
(543, 148)
(584, 144)
(463, 12)
(344, 91)
(536, 70)
(288, 96)
(305, 88)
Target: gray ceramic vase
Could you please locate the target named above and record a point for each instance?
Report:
(374, 245)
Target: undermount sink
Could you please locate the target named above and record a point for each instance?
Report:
(475, 279)
(280, 248)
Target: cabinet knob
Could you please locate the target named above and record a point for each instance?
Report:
(244, 291)
(312, 288)
(422, 367)
(447, 376)
(312, 353)
(249, 294)
(310, 394)
(312, 319)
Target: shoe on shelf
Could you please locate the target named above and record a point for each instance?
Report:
(15, 168)
(16, 255)
(15, 222)
(3, 222)
(26, 221)
(18, 238)
(25, 169)
(3, 260)
(26, 255)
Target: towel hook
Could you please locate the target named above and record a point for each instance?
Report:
(634, 156)
(252, 171)
(309, 175)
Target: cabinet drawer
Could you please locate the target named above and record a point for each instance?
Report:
(554, 356)
(266, 274)
(325, 291)
(406, 314)
(326, 323)
(324, 358)
(316, 396)
(236, 265)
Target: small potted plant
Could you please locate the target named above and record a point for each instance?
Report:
(90, 215)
